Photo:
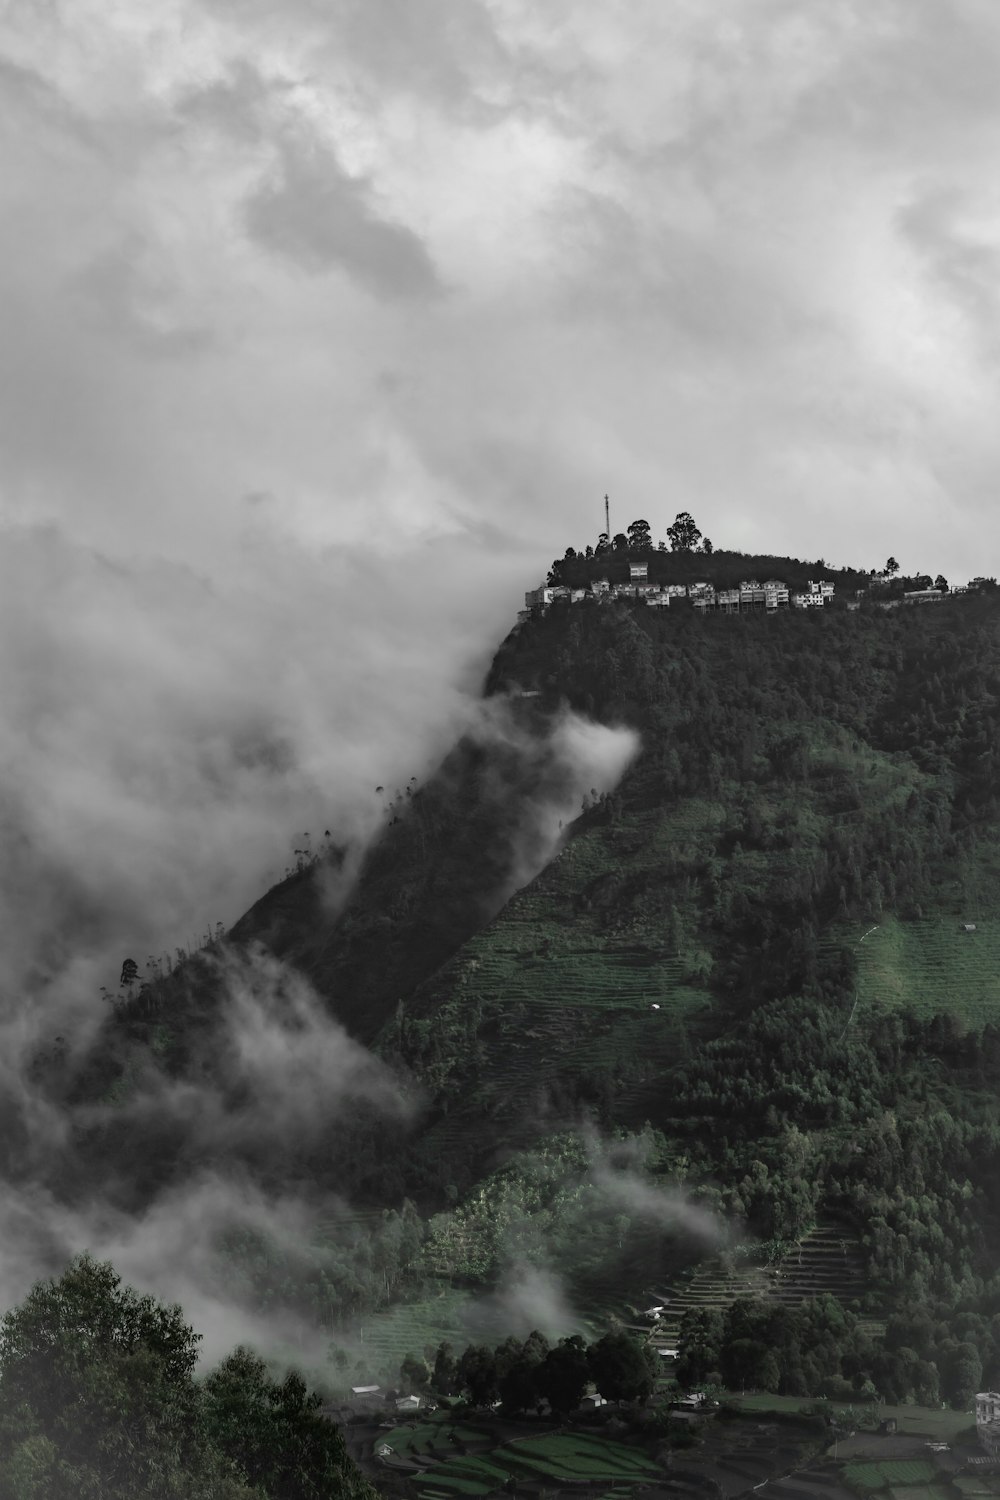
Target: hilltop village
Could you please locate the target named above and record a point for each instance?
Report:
(629, 566)
(701, 595)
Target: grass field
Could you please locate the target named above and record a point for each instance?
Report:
(890, 1471)
(932, 966)
(552, 1457)
(939, 1426)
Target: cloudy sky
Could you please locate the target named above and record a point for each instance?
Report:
(325, 325)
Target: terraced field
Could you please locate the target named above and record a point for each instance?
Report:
(387, 1337)
(932, 966)
(828, 1259)
(550, 1458)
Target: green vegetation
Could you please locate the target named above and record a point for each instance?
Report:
(933, 964)
(741, 988)
(98, 1402)
(889, 1471)
(555, 1457)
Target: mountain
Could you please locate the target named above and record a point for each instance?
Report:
(756, 977)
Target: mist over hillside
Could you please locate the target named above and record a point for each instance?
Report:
(567, 1022)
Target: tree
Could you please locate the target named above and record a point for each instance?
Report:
(683, 535)
(706, 546)
(622, 1368)
(444, 1376)
(941, 583)
(620, 542)
(477, 1374)
(272, 1431)
(97, 1399)
(892, 566)
(517, 1371)
(415, 1372)
(640, 538)
(564, 1373)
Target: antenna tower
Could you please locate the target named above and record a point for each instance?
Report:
(607, 520)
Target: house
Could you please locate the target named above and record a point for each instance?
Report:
(600, 585)
(591, 1403)
(968, 926)
(675, 590)
(659, 600)
(988, 1421)
(923, 596)
(752, 594)
(408, 1403)
(576, 596)
(365, 1390)
(654, 1312)
(775, 593)
(820, 591)
(729, 600)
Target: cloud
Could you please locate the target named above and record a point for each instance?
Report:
(326, 329)
(529, 1297)
(319, 217)
(557, 765)
(197, 1202)
(616, 1170)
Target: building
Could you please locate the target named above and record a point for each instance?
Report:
(638, 572)
(988, 1421)
(775, 593)
(728, 600)
(923, 596)
(702, 595)
(752, 594)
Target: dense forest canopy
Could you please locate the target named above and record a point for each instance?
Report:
(752, 981)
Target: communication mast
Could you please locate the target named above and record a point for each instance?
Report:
(607, 520)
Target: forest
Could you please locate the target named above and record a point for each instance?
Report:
(680, 1003)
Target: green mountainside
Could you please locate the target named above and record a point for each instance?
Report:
(742, 985)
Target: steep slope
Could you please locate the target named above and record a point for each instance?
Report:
(725, 946)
